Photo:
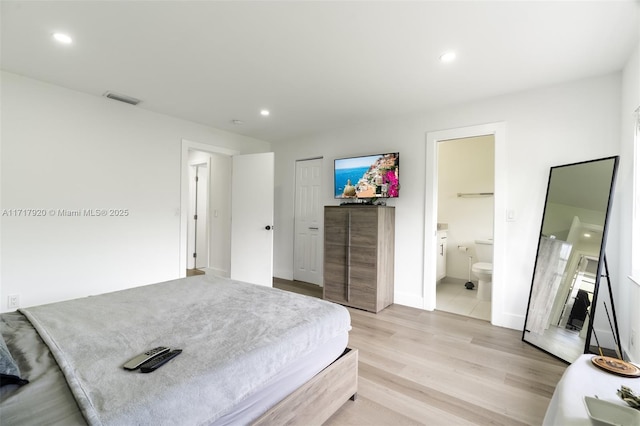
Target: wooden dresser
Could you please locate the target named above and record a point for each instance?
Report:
(359, 256)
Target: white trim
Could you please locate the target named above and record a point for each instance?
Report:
(498, 130)
(186, 146)
(406, 299)
(635, 202)
(199, 146)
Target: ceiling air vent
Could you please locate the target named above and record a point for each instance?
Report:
(122, 98)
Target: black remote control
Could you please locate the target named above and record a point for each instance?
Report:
(159, 361)
(136, 362)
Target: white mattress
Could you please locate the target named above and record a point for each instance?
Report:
(284, 383)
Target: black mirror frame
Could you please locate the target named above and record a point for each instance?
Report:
(601, 258)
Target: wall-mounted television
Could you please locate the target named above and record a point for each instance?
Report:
(367, 177)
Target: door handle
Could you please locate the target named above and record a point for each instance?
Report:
(268, 227)
(314, 228)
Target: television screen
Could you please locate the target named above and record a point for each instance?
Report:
(371, 176)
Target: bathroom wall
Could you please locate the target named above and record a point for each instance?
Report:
(465, 166)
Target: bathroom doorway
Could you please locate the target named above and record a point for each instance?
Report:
(502, 214)
(465, 216)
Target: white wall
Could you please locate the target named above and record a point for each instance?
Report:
(219, 212)
(620, 255)
(465, 165)
(546, 127)
(220, 218)
(67, 150)
(62, 149)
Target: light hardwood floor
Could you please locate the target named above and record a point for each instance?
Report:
(298, 287)
(437, 368)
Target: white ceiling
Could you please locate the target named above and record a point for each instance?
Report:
(315, 65)
(584, 185)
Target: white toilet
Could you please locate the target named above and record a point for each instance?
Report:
(483, 269)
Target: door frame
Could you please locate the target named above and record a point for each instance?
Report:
(186, 146)
(498, 130)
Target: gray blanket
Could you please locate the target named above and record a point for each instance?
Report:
(234, 336)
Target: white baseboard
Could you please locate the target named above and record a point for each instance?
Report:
(410, 300)
(512, 321)
(284, 274)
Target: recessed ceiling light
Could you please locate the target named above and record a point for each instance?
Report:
(264, 112)
(587, 235)
(448, 56)
(62, 38)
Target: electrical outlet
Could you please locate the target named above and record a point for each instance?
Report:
(13, 301)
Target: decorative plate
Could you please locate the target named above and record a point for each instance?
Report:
(616, 366)
(608, 413)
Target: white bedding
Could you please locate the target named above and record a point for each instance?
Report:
(582, 378)
(229, 352)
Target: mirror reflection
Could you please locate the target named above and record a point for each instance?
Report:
(567, 267)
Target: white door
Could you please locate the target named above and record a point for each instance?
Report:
(202, 216)
(252, 218)
(308, 243)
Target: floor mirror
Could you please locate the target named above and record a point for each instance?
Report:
(570, 258)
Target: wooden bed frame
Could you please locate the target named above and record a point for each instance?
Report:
(318, 399)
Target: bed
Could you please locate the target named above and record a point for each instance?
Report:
(251, 355)
(582, 378)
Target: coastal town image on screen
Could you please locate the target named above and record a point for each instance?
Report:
(373, 176)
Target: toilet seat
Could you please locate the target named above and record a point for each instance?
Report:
(484, 267)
